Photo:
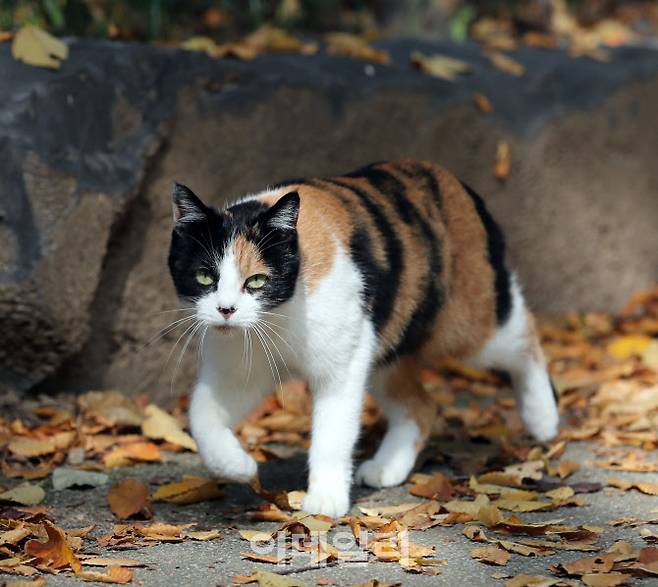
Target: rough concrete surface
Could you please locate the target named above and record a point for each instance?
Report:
(214, 563)
(90, 153)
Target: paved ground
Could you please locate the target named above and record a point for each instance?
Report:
(214, 563)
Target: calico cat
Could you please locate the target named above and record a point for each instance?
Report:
(352, 283)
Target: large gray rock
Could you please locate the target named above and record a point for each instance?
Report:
(89, 155)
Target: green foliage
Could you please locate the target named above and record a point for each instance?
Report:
(176, 19)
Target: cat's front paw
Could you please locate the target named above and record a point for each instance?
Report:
(542, 424)
(377, 474)
(333, 503)
(238, 467)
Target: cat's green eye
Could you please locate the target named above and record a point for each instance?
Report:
(256, 281)
(203, 277)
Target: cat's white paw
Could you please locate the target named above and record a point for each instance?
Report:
(542, 425)
(377, 474)
(238, 467)
(330, 502)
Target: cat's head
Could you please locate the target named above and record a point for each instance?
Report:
(237, 263)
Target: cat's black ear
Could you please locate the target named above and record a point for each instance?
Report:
(187, 207)
(282, 215)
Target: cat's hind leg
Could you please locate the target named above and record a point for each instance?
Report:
(410, 412)
(516, 349)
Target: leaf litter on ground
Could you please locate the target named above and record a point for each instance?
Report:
(604, 380)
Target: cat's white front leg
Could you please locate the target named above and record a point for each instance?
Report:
(219, 448)
(216, 406)
(337, 408)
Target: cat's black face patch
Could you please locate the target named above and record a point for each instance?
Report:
(202, 234)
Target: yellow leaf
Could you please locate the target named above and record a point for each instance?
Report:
(199, 43)
(161, 426)
(441, 66)
(25, 494)
(36, 47)
(624, 347)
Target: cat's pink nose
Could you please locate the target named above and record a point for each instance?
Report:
(226, 312)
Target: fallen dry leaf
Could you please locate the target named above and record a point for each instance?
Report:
(189, 490)
(159, 425)
(134, 451)
(117, 575)
(160, 532)
(200, 43)
(492, 555)
(441, 66)
(506, 63)
(35, 46)
(266, 39)
(265, 579)
(643, 486)
(566, 468)
(129, 498)
(482, 102)
(24, 494)
(624, 347)
(110, 408)
(202, 535)
(535, 581)
(256, 535)
(274, 559)
(437, 486)
(604, 579)
(102, 561)
(55, 553)
(594, 564)
(348, 45)
(25, 446)
(502, 163)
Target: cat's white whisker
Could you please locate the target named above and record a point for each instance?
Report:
(173, 348)
(276, 348)
(262, 344)
(165, 331)
(196, 328)
(171, 311)
(269, 325)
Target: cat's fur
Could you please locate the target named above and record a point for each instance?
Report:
(372, 274)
